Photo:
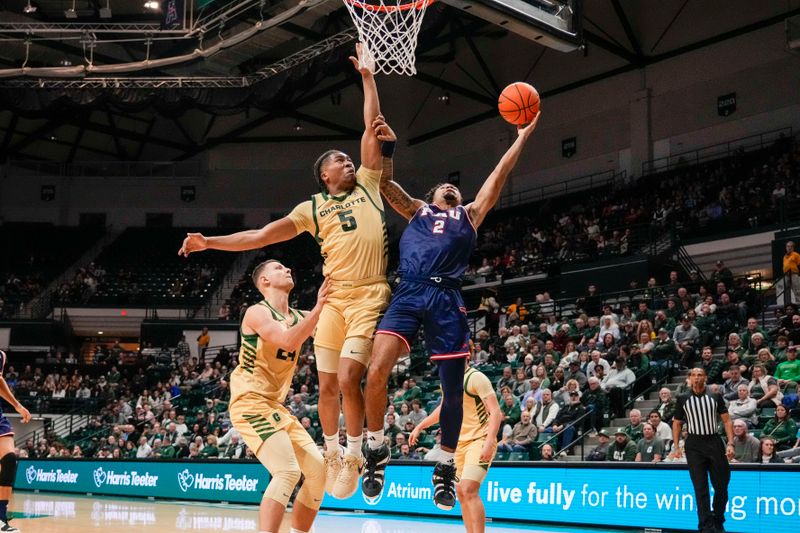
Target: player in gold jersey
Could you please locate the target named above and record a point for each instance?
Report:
(347, 220)
(272, 332)
(477, 444)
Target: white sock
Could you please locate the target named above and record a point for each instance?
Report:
(331, 443)
(293, 530)
(354, 445)
(375, 439)
(447, 457)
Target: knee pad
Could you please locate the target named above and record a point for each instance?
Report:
(282, 485)
(8, 470)
(313, 488)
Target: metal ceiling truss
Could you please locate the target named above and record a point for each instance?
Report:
(60, 28)
(190, 82)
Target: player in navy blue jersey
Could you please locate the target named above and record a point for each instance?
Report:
(434, 253)
(8, 459)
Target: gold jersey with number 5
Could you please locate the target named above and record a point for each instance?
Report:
(351, 231)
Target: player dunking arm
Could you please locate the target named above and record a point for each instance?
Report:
(477, 444)
(347, 220)
(8, 459)
(272, 332)
(434, 252)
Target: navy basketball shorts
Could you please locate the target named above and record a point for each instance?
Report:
(5, 426)
(439, 310)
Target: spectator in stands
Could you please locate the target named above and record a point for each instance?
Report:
(744, 407)
(686, 337)
(664, 353)
(234, 449)
(522, 384)
(534, 391)
(788, 372)
(507, 379)
(591, 302)
(595, 400)
(712, 367)
(598, 360)
(622, 449)
(574, 373)
(649, 449)
(727, 314)
(599, 452)
(747, 335)
(203, 341)
(545, 412)
(764, 388)
(521, 437)
(732, 359)
(558, 378)
(566, 418)
(782, 428)
(608, 327)
(662, 429)
(297, 407)
(548, 454)
(730, 389)
(391, 428)
(635, 428)
(417, 413)
(721, 273)
(791, 271)
(512, 412)
(767, 452)
(746, 448)
(618, 380)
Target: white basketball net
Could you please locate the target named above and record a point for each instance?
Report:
(389, 30)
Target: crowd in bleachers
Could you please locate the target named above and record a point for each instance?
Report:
(559, 376)
(35, 255)
(744, 190)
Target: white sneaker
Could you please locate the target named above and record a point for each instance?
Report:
(4, 526)
(349, 476)
(333, 465)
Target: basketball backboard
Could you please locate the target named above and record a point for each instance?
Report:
(552, 23)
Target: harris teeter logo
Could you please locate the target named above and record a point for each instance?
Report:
(102, 477)
(57, 475)
(199, 481)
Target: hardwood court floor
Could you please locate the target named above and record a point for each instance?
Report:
(69, 513)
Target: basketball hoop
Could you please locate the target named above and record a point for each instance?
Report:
(389, 30)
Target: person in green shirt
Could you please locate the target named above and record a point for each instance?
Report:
(635, 430)
(781, 428)
(788, 372)
(622, 449)
(511, 410)
(747, 335)
(413, 392)
(210, 449)
(663, 321)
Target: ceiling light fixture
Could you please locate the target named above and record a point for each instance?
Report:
(71, 13)
(152, 5)
(29, 8)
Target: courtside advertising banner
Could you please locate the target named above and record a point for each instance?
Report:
(765, 500)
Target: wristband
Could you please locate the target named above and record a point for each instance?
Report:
(387, 148)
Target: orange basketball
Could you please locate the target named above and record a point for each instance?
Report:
(518, 103)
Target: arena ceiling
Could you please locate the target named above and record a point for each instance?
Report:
(288, 75)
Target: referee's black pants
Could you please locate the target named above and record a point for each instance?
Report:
(705, 456)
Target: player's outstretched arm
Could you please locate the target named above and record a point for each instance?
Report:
(7, 395)
(397, 197)
(426, 422)
(277, 231)
(259, 319)
(370, 146)
(490, 191)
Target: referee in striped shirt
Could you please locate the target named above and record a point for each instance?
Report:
(701, 409)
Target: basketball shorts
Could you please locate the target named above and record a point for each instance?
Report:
(439, 310)
(5, 426)
(258, 419)
(348, 321)
(468, 462)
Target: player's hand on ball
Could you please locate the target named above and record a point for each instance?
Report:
(24, 413)
(382, 130)
(526, 130)
(364, 62)
(194, 242)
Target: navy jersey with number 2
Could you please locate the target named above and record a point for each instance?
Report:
(434, 253)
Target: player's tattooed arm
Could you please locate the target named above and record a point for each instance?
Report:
(397, 197)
